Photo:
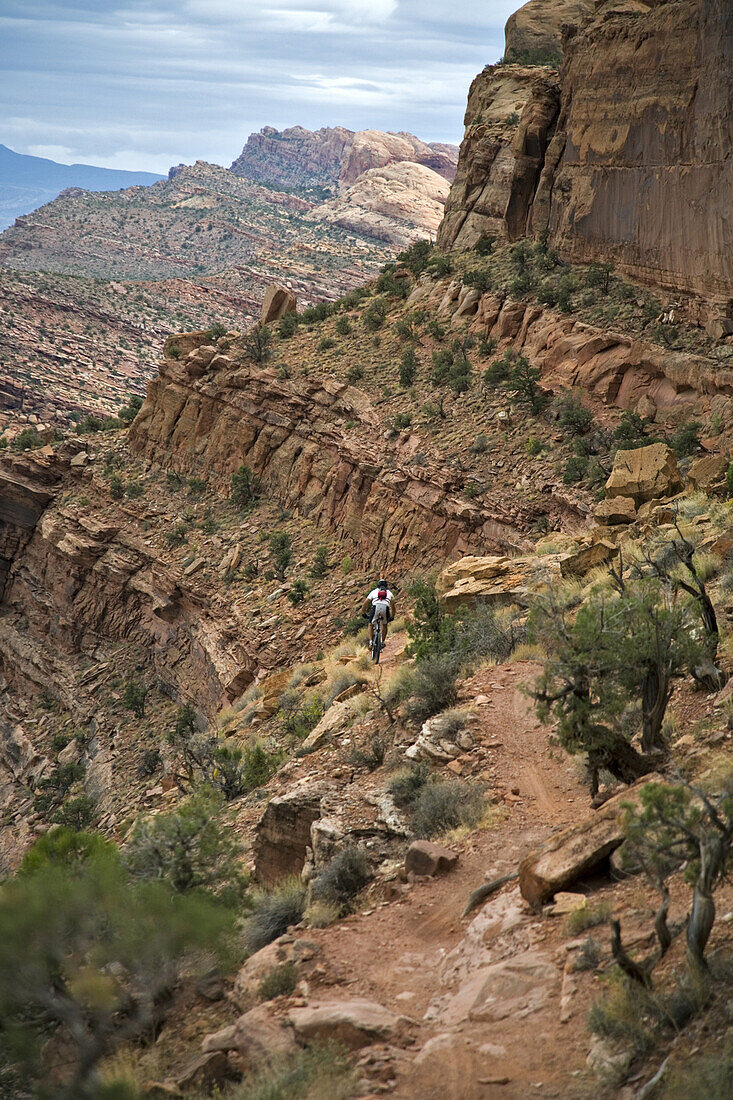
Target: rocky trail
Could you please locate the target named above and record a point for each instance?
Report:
(485, 992)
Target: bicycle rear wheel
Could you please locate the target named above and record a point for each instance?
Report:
(377, 643)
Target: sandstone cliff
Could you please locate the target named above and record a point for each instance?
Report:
(536, 30)
(642, 180)
(300, 158)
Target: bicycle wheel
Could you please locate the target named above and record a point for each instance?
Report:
(377, 644)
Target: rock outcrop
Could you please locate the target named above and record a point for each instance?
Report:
(277, 302)
(398, 203)
(536, 30)
(626, 159)
(646, 473)
(300, 158)
(291, 433)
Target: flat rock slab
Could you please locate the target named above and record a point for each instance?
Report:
(513, 987)
(574, 851)
(645, 473)
(256, 1036)
(425, 858)
(353, 1023)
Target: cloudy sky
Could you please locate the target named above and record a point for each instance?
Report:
(150, 83)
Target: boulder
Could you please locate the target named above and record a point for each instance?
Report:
(256, 1036)
(277, 302)
(335, 720)
(354, 1023)
(284, 832)
(646, 407)
(587, 558)
(441, 739)
(615, 510)
(708, 471)
(497, 580)
(645, 473)
(425, 858)
(574, 851)
(207, 1072)
(718, 328)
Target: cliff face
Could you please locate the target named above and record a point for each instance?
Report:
(536, 29)
(297, 436)
(646, 177)
(627, 158)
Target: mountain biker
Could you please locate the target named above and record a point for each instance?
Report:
(379, 603)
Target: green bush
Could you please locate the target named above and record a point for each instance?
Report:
(245, 487)
(402, 421)
(574, 419)
(298, 592)
(86, 953)
(75, 813)
(278, 982)
(444, 805)
(686, 440)
(326, 343)
(273, 912)
(355, 373)
(287, 326)
(188, 849)
(344, 877)
(320, 565)
(417, 256)
(343, 326)
(374, 315)
(134, 697)
(408, 367)
(258, 343)
(433, 686)
(405, 785)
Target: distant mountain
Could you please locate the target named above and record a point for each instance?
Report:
(28, 182)
(303, 159)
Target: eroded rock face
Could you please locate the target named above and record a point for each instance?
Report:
(644, 179)
(498, 581)
(509, 123)
(292, 435)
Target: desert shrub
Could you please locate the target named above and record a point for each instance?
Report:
(443, 805)
(355, 373)
(232, 771)
(273, 912)
(326, 343)
(299, 715)
(435, 329)
(392, 287)
(686, 440)
(406, 783)
(75, 813)
(417, 256)
(374, 315)
(433, 686)
(587, 916)
(245, 486)
(523, 383)
(280, 551)
(346, 565)
(573, 418)
(116, 487)
(178, 536)
(298, 592)
(128, 412)
(343, 878)
(53, 788)
(278, 982)
(484, 245)
(258, 343)
(408, 367)
(371, 756)
(87, 953)
(316, 1073)
(216, 331)
(402, 421)
(497, 373)
(134, 697)
(287, 326)
(632, 431)
(188, 849)
(174, 350)
(480, 445)
(708, 1075)
(320, 565)
(149, 763)
(343, 326)
(589, 956)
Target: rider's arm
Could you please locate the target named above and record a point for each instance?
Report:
(366, 606)
(393, 609)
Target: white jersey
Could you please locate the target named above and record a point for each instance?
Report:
(374, 595)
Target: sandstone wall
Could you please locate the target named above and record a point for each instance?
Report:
(646, 175)
(628, 159)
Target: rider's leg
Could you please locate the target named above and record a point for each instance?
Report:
(371, 632)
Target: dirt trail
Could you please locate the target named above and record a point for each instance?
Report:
(416, 956)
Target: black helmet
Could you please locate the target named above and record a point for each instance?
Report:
(382, 584)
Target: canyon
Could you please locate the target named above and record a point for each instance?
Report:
(513, 425)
